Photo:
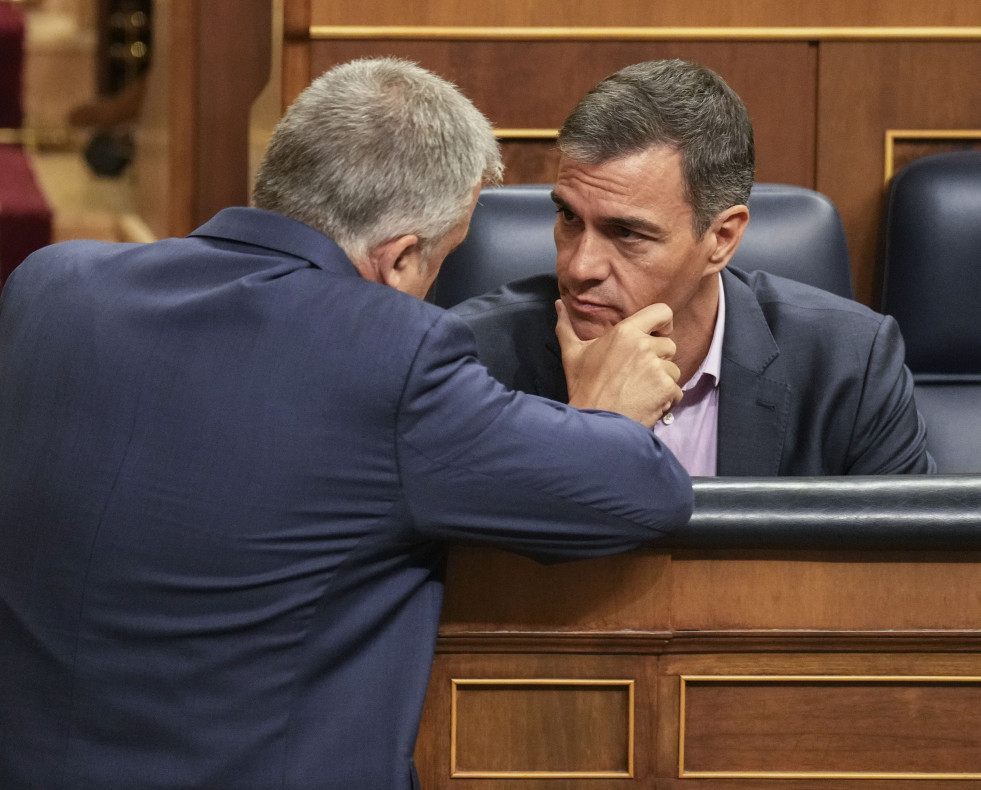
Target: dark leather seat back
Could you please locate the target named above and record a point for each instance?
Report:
(510, 238)
(796, 233)
(793, 232)
(932, 286)
(932, 262)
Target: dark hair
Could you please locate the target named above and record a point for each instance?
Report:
(677, 104)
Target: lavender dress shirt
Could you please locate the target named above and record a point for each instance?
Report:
(690, 429)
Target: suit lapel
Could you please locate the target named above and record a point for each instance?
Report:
(753, 407)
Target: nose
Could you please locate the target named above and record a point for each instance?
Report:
(582, 256)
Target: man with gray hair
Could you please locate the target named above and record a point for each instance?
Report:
(231, 464)
(655, 169)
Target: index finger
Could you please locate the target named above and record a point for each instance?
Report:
(656, 317)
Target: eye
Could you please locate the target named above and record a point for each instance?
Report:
(565, 214)
(629, 234)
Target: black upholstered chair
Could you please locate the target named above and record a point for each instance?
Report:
(793, 232)
(932, 286)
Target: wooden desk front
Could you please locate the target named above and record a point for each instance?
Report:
(699, 667)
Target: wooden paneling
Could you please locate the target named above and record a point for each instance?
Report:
(529, 161)
(903, 85)
(906, 146)
(831, 726)
(211, 61)
(924, 661)
(296, 49)
(717, 592)
(165, 165)
(637, 13)
(534, 84)
(497, 724)
(234, 40)
(845, 662)
(831, 592)
(586, 720)
(632, 591)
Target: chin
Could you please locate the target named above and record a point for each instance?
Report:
(586, 330)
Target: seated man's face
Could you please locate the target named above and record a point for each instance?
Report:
(624, 239)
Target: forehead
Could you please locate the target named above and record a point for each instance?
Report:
(650, 180)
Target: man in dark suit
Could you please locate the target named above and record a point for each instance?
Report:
(656, 163)
(230, 465)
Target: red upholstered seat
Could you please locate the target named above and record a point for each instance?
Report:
(25, 215)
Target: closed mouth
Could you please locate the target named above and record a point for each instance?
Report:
(586, 305)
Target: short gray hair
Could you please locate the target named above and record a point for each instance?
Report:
(677, 104)
(374, 149)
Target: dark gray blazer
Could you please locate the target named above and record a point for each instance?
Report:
(811, 383)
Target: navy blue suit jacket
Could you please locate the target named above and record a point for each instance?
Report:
(810, 384)
(229, 471)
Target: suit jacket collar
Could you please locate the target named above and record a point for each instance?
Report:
(753, 403)
(278, 233)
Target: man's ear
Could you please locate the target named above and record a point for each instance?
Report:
(392, 261)
(726, 231)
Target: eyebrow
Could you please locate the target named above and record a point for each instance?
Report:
(631, 223)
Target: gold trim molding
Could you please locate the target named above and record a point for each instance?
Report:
(457, 683)
(526, 134)
(895, 135)
(25, 137)
(33, 138)
(335, 32)
(683, 773)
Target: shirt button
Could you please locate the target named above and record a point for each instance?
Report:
(668, 418)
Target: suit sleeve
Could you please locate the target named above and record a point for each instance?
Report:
(889, 436)
(483, 464)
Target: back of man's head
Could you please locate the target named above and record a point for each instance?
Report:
(374, 149)
(677, 104)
